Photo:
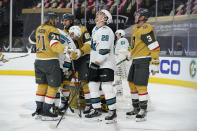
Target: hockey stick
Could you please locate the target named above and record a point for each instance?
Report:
(27, 54)
(120, 62)
(65, 99)
(75, 93)
(76, 86)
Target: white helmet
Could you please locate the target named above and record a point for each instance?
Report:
(121, 32)
(76, 30)
(108, 15)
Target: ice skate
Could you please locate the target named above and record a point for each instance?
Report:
(38, 113)
(132, 113)
(111, 118)
(63, 104)
(56, 110)
(93, 113)
(141, 116)
(48, 113)
(87, 109)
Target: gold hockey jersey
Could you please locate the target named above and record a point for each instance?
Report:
(65, 30)
(143, 42)
(47, 42)
(85, 37)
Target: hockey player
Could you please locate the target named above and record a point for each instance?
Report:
(121, 53)
(80, 63)
(65, 65)
(47, 68)
(101, 66)
(67, 21)
(2, 58)
(145, 54)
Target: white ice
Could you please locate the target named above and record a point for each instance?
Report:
(172, 108)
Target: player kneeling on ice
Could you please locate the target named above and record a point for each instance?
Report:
(145, 54)
(121, 53)
(102, 64)
(47, 67)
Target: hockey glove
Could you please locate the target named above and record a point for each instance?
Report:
(74, 55)
(154, 66)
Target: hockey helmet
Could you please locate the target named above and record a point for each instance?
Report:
(50, 16)
(76, 31)
(143, 12)
(108, 15)
(68, 16)
(121, 32)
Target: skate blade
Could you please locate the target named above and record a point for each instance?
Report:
(37, 117)
(94, 119)
(140, 119)
(110, 121)
(46, 118)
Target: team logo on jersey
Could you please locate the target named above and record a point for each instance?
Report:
(193, 68)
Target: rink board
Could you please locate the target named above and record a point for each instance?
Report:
(173, 70)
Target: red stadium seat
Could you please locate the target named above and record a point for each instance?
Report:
(195, 2)
(108, 5)
(195, 11)
(61, 5)
(47, 5)
(180, 12)
(121, 6)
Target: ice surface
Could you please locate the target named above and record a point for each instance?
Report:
(172, 108)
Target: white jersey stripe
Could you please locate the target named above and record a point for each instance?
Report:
(153, 45)
(52, 42)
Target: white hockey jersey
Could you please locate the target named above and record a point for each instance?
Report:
(121, 46)
(65, 60)
(102, 45)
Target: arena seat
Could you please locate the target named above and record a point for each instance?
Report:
(69, 5)
(195, 2)
(130, 6)
(108, 4)
(121, 6)
(47, 5)
(180, 12)
(61, 5)
(194, 11)
(113, 7)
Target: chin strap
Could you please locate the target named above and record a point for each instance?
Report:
(102, 20)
